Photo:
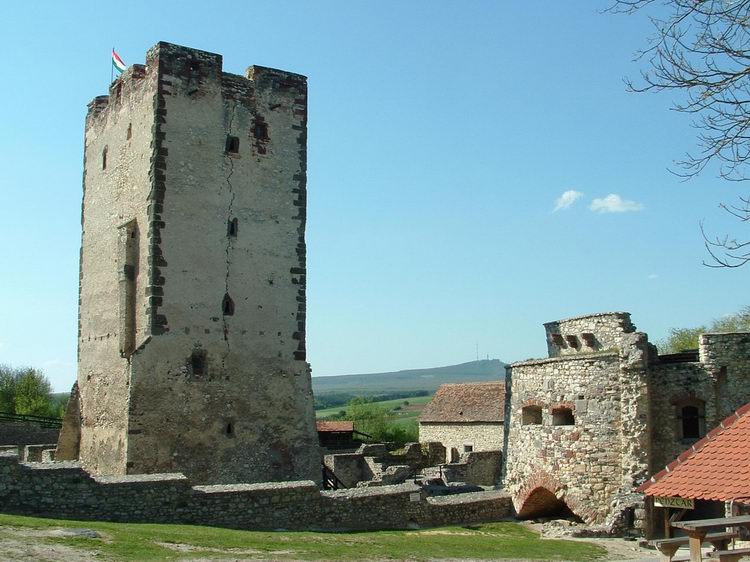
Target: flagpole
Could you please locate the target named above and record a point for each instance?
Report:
(111, 68)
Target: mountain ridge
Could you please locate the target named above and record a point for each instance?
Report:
(411, 379)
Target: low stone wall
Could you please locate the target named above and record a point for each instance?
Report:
(22, 434)
(478, 467)
(64, 490)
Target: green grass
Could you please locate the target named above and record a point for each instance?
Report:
(388, 404)
(129, 541)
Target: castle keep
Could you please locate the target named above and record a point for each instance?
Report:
(191, 349)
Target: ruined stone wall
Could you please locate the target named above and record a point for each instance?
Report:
(586, 334)
(64, 490)
(201, 363)
(480, 436)
(478, 467)
(720, 381)
(726, 357)
(580, 464)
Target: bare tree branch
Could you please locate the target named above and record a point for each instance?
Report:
(701, 49)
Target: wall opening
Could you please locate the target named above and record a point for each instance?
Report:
(232, 226)
(691, 417)
(563, 416)
(227, 306)
(233, 145)
(104, 158)
(229, 429)
(130, 131)
(531, 415)
(260, 131)
(198, 361)
(468, 447)
(542, 502)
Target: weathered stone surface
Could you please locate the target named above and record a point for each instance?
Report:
(193, 275)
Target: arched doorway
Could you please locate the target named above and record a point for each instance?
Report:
(542, 502)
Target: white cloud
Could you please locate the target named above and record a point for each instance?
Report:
(653, 275)
(613, 203)
(567, 199)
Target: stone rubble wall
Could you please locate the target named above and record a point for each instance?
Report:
(64, 490)
(478, 467)
(581, 464)
(608, 330)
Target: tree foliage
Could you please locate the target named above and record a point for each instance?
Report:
(681, 339)
(25, 390)
(700, 50)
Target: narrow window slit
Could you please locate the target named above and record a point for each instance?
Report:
(104, 158)
(227, 306)
(198, 362)
(130, 131)
(229, 429)
(232, 228)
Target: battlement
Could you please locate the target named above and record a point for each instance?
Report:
(586, 334)
(192, 72)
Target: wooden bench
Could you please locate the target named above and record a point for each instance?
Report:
(668, 547)
(731, 555)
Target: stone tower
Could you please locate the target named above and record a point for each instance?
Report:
(191, 349)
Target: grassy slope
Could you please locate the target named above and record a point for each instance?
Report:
(128, 541)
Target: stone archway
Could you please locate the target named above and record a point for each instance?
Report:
(542, 494)
(540, 501)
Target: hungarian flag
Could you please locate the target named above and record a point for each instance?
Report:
(117, 63)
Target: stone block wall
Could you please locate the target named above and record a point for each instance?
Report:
(22, 434)
(456, 436)
(64, 490)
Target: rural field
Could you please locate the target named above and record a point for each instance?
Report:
(30, 538)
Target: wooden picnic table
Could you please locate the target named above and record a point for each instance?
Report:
(697, 530)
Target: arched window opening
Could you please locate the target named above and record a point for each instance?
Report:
(229, 429)
(563, 416)
(692, 422)
(531, 415)
(232, 145)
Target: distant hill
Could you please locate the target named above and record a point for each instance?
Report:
(410, 380)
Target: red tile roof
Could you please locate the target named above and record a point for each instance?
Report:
(466, 402)
(325, 426)
(715, 468)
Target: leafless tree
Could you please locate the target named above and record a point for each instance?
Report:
(701, 49)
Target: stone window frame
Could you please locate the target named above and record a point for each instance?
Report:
(689, 400)
(532, 406)
(560, 411)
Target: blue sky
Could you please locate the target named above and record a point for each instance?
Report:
(442, 135)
